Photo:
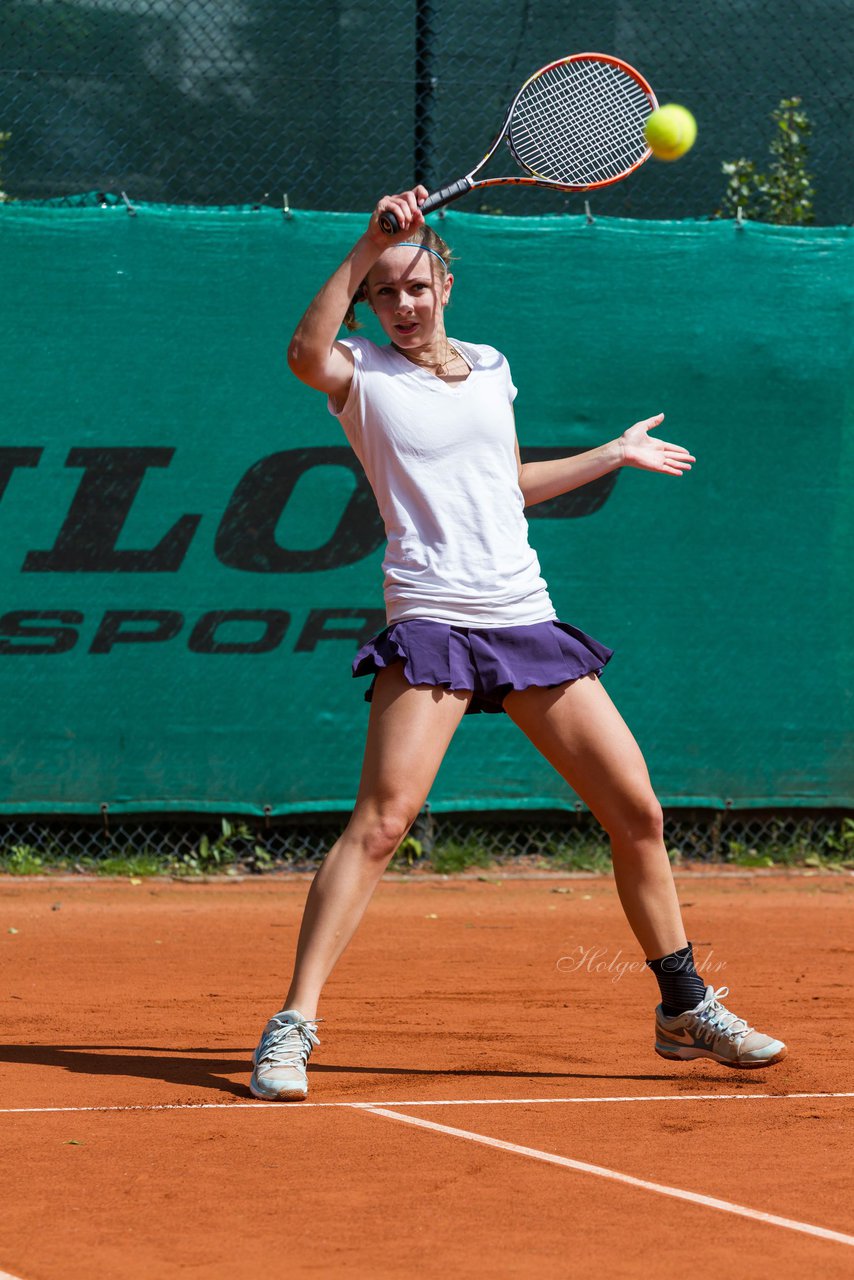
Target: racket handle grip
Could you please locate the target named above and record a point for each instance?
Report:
(390, 224)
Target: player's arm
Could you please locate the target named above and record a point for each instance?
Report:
(540, 481)
(314, 355)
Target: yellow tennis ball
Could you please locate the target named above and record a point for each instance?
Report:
(670, 131)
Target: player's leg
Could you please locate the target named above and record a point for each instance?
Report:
(579, 730)
(409, 730)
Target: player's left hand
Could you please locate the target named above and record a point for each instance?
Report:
(641, 450)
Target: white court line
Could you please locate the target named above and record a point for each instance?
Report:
(421, 1102)
(710, 1202)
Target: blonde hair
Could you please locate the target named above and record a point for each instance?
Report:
(422, 235)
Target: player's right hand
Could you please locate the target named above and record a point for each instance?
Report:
(406, 207)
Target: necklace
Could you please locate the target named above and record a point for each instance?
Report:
(441, 369)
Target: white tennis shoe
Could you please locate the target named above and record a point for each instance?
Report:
(711, 1031)
(282, 1056)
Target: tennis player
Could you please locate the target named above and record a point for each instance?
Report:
(471, 628)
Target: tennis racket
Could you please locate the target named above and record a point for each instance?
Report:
(574, 125)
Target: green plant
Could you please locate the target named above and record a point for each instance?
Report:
(844, 843)
(215, 855)
(22, 860)
(409, 853)
(743, 855)
(589, 852)
(784, 194)
(455, 856)
(131, 863)
(742, 189)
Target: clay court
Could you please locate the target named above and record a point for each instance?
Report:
(485, 1099)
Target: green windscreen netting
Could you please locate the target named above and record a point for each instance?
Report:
(189, 559)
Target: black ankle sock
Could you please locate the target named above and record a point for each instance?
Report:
(681, 986)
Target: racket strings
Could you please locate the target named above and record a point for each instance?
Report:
(591, 112)
(580, 122)
(582, 132)
(583, 127)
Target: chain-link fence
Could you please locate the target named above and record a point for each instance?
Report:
(331, 104)
(328, 105)
(444, 842)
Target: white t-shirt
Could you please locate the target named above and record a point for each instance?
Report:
(440, 458)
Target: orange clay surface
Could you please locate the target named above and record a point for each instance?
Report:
(146, 1000)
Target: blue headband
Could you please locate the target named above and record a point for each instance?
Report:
(411, 244)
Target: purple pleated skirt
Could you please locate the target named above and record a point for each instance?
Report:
(491, 661)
